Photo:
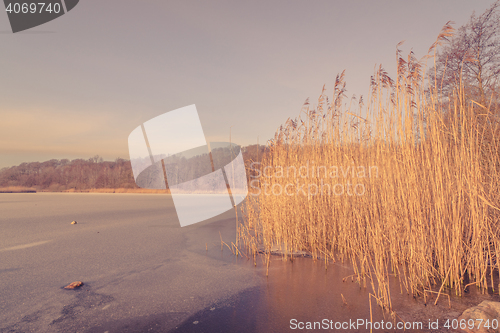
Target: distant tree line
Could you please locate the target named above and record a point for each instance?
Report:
(84, 174)
(78, 174)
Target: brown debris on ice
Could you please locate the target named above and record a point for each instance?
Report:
(73, 285)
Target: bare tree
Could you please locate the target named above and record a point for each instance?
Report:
(471, 59)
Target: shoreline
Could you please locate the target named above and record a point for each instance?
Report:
(13, 191)
(108, 190)
(99, 190)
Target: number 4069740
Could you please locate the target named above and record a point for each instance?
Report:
(33, 8)
(471, 324)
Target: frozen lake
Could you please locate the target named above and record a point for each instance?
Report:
(144, 273)
(128, 249)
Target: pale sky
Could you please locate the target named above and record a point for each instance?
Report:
(77, 86)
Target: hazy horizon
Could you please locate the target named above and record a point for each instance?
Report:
(77, 86)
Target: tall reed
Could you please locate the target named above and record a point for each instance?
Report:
(410, 187)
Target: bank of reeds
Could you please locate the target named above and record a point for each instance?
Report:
(407, 184)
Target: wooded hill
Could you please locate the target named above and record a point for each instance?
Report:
(81, 175)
